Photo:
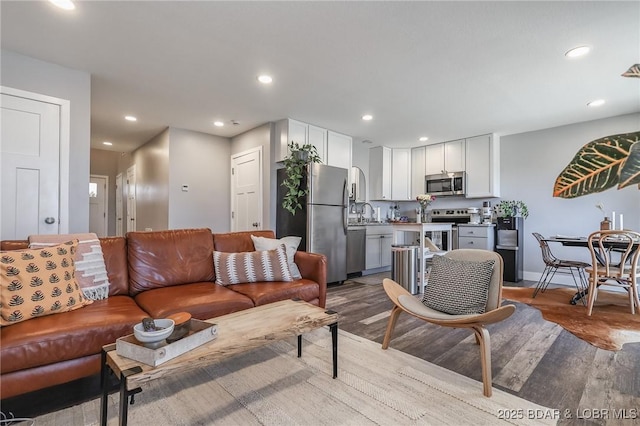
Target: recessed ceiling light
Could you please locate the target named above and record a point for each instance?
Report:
(423, 139)
(130, 118)
(64, 4)
(577, 51)
(218, 123)
(107, 143)
(265, 79)
(596, 103)
(367, 117)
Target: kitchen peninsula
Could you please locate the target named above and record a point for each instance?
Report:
(399, 228)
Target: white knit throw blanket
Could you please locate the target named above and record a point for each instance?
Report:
(91, 271)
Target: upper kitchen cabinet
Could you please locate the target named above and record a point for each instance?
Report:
(317, 137)
(418, 171)
(338, 150)
(401, 174)
(390, 174)
(380, 173)
(334, 149)
(445, 157)
(483, 166)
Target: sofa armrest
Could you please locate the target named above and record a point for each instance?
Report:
(313, 266)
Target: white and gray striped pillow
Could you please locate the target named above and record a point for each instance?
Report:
(252, 266)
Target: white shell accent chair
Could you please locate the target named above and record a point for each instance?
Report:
(494, 312)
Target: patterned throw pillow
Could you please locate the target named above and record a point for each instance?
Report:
(458, 287)
(252, 266)
(290, 243)
(38, 282)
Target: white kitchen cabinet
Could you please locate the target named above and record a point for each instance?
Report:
(338, 150)
(418, 171)
(378, 246)
(476, 237)
(380, 173)
(401, 174)
(445, 157)
(483, 166)
(317, 137)
(288, 130)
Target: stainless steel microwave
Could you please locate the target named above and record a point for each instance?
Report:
(446, 184)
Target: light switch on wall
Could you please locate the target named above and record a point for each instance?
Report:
(185, 188)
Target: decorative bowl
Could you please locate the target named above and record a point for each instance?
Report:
(166, 328)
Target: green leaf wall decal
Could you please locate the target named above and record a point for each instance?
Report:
(598, 166)
(630, 173)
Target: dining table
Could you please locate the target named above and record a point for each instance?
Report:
(579, 241)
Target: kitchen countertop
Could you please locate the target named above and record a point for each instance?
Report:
(476, 224)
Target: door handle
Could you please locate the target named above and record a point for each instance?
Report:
(49, 220)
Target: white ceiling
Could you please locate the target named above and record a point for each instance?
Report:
(446, 70)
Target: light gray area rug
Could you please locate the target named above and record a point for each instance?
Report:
(271, 386)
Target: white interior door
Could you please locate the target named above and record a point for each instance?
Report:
(246, 190)
(98, 205)
(30, 177)
(131, 198)
(119, 209)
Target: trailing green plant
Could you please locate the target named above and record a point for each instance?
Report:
(601, 164)
(295, 165)
(511, 208)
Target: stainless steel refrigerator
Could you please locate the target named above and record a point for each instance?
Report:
(322, 222)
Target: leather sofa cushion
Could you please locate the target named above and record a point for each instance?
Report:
(74, 334)
(269, 292)
(114, 251)
(14, 245)
(168, 258)
(238, 242)
(202, 300)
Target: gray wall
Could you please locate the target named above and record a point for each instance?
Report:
(200, 161)
(25, 73)
(530, 163)
(106, 163)
(152, 183)
(261, 137)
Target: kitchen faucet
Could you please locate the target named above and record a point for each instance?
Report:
(361, 212)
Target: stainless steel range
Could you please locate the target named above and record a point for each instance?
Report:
(453, 216)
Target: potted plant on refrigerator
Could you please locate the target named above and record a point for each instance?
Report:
(295, 165)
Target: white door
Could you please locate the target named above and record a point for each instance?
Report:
(98, 205)
(131, 198)
(119, 210)
(30, 178)
(246, 190)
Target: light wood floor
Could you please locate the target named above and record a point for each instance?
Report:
(532, 358)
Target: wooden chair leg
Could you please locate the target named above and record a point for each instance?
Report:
(482, 334)
(395, 312)
(593, 289)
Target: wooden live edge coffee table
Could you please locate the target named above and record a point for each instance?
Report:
(238, 332)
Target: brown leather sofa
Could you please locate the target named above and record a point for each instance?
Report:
(151, 274)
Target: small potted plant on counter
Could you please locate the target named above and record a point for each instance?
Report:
(295, 165)
(512, 208)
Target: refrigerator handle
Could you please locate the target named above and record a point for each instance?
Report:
(345, 203)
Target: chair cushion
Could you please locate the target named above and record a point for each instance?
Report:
(458, 287)
(251, 267)
(291, 244)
